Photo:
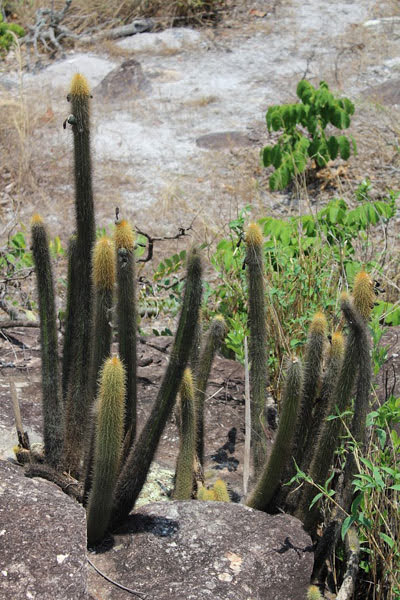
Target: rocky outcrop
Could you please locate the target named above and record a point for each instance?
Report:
(43, 540)
(198, 550)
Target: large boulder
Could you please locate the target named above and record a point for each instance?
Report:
(198, 550)
(43, 540)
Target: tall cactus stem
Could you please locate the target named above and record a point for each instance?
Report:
(78, 394)
(137, 464)
(51, 392)
(214, 339)
(187, 445)
(108, 447)
(258, 344)
(126, 318)
(281, 450)
(70, 314)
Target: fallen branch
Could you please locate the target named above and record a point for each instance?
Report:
(18, 323)
(69, 486)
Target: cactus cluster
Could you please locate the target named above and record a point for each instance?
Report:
(90, 411)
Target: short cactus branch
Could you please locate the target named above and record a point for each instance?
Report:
(187, 445)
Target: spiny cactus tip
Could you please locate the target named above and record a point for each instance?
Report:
(319, 324)
(363, 294)
(104, 264)
(36, 220)
(313, 593)
(124, 236)
(79, 86)
(337, 347)
(254, 235)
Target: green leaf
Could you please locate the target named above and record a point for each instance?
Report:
(333, 147)
(347, 523)
(266, 156)
(390, 541)
(276, 156)
(344, 147)
(305, 91)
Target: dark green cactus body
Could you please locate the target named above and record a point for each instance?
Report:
(258, 346)
(51, 392)
(126, 317)
(214, 339)
(136, 467)
(70, 314)
(109, 415)
(78, 395)
(330, 432)
(281, 450)
(187, 444)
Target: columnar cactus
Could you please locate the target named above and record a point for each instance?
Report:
(214, 339)
(281, 450)
(126, 317)
(109, 417)
(51, 392)
(187, 444)
(78, 394)
(70, 314)
(104, 280)
(137, 464)
(258, 345)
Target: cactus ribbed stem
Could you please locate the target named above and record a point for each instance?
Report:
(78, 395)
(214, 339)
(281, 450)
(51, 392)
(126, 317)
(104, 280)
(108, 448)
(258, 346)
(70, 314)
(187, 444)
(137, 464)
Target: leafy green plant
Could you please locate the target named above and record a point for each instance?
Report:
(317, 109)
(8, 34)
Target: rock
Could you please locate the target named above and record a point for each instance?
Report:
(169, 40)
(126, 79)
(224, 140)
(198, 550)
(43, 540)
(387, 380)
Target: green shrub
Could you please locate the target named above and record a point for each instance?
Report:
(317, 109)
(8, 32)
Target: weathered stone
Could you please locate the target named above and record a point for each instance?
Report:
(387, 93)
(198, 550)
(43, 540)
(125, 80)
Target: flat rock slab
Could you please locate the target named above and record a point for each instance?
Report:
(43, 540)
(198, 550)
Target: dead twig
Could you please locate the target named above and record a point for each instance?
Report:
(182, 231)
(23, 438)
(119, 585)
(18, 323)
